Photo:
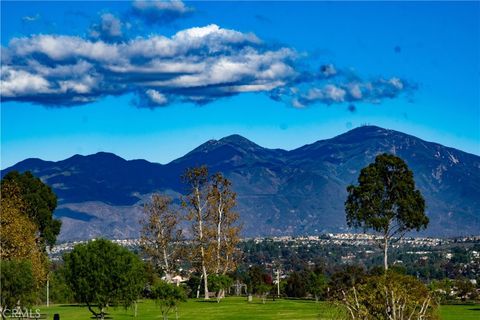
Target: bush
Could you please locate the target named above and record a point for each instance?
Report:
(18, 284)
(167, 296)
(392, 296)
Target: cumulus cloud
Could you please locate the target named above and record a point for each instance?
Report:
(350, 91)
(155, 98)
(197, 65)
(108, 29)
(161, 11)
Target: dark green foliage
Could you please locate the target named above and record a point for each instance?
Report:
(40, 202)
(386, 200)
(344, 279)
(264, 290)
(192, 284)
(316, 285)
(17, 284)
(102, 274)
(296, 285)
(386, 194)
(459, 255)
(257, 277)
(60, 292)
(219, 282)
(167, 296)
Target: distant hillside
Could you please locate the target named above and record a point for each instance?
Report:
(280, 192)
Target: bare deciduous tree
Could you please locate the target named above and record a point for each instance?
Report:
(222, 200)
(223, 221)
(160, 233)
(197, 203)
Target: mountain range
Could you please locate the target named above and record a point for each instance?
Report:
(279, 192)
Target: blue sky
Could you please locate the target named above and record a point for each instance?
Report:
(282, 74)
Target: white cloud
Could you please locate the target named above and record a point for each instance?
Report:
(355, 91)
(161, 5)
(109, 28)
(156, 97)
(160, 12)
(197, 64)
(16, 83)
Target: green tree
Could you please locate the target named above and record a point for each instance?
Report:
(344, 279)
(18, 240)
(386, 201)
(17, 284)
(102, 274)
(296, 285)
(167, 296)
(263, 290)
(255, 278)
(39, 201)
(316, 285)
(218, 284)
(60, 292)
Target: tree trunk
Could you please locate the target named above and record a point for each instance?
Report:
(219, 229)
(385, 253)
(200, 236)
(198, 287)
(167, 267)
(96, 315)
(205, 280)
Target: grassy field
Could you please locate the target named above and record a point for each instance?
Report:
(240, 309)
(460, 312)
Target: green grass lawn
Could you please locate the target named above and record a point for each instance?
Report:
(460, 312)
(239, 309)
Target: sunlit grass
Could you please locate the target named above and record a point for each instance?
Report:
(237, 308)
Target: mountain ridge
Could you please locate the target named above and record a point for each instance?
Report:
(300, 191)
(215, 140)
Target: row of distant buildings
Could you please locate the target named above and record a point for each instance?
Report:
(354, 239)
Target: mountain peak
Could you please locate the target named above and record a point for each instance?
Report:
(364, 132)
(99, 156)
(238, 140)
(301, 191)
(369, 129)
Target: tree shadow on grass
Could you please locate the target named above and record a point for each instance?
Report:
(208, 301)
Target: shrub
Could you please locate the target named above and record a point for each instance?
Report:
(392, 296)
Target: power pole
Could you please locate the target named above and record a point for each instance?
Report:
(278, 282)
